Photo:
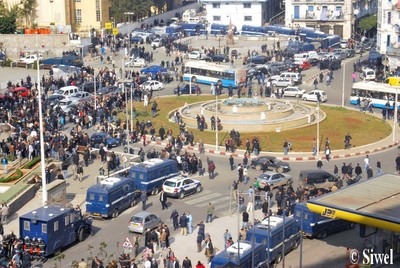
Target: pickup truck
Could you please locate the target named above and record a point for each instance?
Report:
(30, 59)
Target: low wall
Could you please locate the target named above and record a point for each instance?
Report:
(22, 199)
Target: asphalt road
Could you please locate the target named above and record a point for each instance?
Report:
(325, 253)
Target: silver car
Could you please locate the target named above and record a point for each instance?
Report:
(142, 221)
(274, 179)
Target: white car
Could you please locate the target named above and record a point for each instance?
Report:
(152, 85)
(195, 55)
(313, 96)
(80, 96)
(181, 186)
(30, 58)
(136, 62)
(65, 105)
(156, 43)
(293, 92)
(282, 82)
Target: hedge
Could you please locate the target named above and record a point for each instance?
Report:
(31, 163)
(18, 174)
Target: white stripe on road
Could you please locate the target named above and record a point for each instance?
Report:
(202, 199)
(219, 200)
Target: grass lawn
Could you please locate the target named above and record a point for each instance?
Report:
(362, 127)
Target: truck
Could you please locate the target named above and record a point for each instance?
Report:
(278, 234)
(316, 225)
(56, 225)
(111, 196)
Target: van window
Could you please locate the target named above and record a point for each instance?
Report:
(66, 220)
(44, 227)
(101, 198)
(306, 215)
(91, 197)
(27, 225)
(71, 218)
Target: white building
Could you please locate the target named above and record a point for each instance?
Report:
(388, 37)
(328, 16)
(240, 12)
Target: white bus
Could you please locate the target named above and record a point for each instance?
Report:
(206, 73)
(378, 93)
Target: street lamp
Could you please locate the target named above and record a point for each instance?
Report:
(344, 80)
(395, 114)
(216, 119)
(317, 128)
(95, 96)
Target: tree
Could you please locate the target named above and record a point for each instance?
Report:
(28, 11)
(368, 23)
(8, 24)
(138, 7)
(160, 5)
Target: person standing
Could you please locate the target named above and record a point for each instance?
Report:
(250, 197)
(174, 217)
(226, 236)
(186, 263)
(80, 172)
(370, 173)
(285, 147)
(319, 164)
(163, 200)
(397, 160)
(231, 162)
(210, 212)
(189, 222)
(315, 83)
(5, 213)
(379, 168)
(4, 162)
(245, 219)
(211, 169)
(358, 170)
(327, 153)
(314, 145)
(183, 223)
(143, 198)
(366, 162)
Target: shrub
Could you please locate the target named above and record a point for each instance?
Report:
(31, 163)
(18, 174)
(10, 158)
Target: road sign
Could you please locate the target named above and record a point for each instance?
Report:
(108, 25)
(127, 243)
(115, 31)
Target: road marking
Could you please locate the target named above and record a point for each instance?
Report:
(202, 198)
(216, 201)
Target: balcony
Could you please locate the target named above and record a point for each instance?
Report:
(318, 2)
(365, 12)
(394, 50)
(314, 16)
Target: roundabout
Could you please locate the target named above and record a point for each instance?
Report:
(252, 114)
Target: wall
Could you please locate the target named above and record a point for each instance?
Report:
(127, 28)
(50, 45)
(23, 198)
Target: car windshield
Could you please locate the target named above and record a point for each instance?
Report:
(137, 219)
(265, 176)
(170, 183)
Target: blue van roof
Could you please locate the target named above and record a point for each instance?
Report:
(105, 188)
(151, 164)
(46, 213)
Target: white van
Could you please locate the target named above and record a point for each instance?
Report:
(301, 57)
(67, 91)
(368, 74)
(295, 77)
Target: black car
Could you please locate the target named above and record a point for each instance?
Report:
(106, 90)
(273, 163)
(184, 89)
(89, 87)
(218, 58)
(103, 138)
(260, 59)
(350, 53)
(316, 178)
(253, 72)
(54, 99)
(234, 53)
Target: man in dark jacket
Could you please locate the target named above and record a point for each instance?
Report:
(163, 200)
(183, 221)
(211, 169)
(187, 263)
(174, 217)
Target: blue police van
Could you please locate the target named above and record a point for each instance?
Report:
(111, 196)
(150, 175)
(240, 255)
(57, 226)
(317, 225)
(279, 235)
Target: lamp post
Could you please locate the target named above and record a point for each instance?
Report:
(395, 114)
(216, 120)
(42, 160)
(317, 128)
(344, 80)
(95, 96)
(126, 114)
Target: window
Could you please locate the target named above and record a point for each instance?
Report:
(71, 218)
(389, 17)
(27, 225)
(246, 5)
(216, 18)
(216, 5)
(296, 12)
(77, 1)
(91, 197)
(248, 18)
(66, 220)
(44, 227)
(101, 198)
(78, 16)
(98, 10)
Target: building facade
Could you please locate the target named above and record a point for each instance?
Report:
(328, 16)
(388, 37)
(240, 12)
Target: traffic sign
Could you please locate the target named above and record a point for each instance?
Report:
(127, 243)
(108, 25)
(115, 31)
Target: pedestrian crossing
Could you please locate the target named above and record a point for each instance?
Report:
(221, 202)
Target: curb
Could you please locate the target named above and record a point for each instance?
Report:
(288, 158)
(310, 79)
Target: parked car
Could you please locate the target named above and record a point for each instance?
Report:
(282, 82)
(106, 90)
(195, 55)
(54, 99)
(80, 96)
(313, 96)
(181, 186)
(142, 221)
(153, 69)
(358, 49)
(65, 105)
(293, 92)
(234, 53)
(350, 53)
(184, 89)
(158, 42)
(256, 70)
(305, 65)
(136, 62)
(98, 138)
(152, 85)
(218, 58)
(31, 58)
(273, 163)
(20, 91)
(274, 179)
(259, 59)
(316, 178)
